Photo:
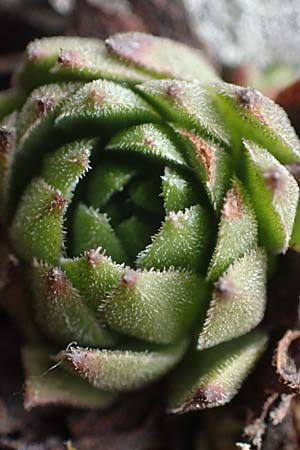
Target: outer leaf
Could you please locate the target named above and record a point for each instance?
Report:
(187, 103)
(37, 226)
(212, 377)
(123, 370)
(237, 219)
(275, 195)
(35, 126)
(103, 105)
(211, 163)
(46, 385)
(159, 307)
(160, 56)
(295, 239)
(238, 302)
(58, 308)
(55, 59)
(63, 168)
(252, 116)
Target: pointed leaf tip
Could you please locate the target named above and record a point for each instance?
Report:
(238, 302)
(125, 369)
(210, 378)
(162, 57)
(47, 384)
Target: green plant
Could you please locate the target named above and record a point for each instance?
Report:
(143, 205)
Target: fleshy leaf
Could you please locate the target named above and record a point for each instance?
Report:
(160, 56)
(159, 307)
(35, 126)
(148, 140)
(135, 233)
(238, 302)
(123, 370)
(182, 242)
(93, 275)
(37, 115)
(63, 168)
(275, 195)
(55, 59)
(237, 219)
(36, 230)
(252, 116)
(49, 385)
(106, 180)
(178, 192)
(211, 162)
(91, 230)
(60, 311)
(103, 107)
(188, 104)
(210, 378)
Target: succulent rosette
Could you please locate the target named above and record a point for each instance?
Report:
(143, 198)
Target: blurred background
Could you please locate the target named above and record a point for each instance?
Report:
(252, 41)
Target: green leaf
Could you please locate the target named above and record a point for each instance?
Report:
(211, 378)
(238, 302)
(35, 135)
(35, 122)
(60, 312)
(123, 370)
(37, 228)
(116, 210)
(103, 107)
(63, 168)
(178, 192)
(252, 116)
(56, 59)
(46, 384)
(275, 195)
(148, 140)
(135, 234)
(182, 242)
(237, 219)
(94, 276)
(211, 162)
(109, 178)
(188, 104)
(159, 307)
(161, 57)
(91, 230)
